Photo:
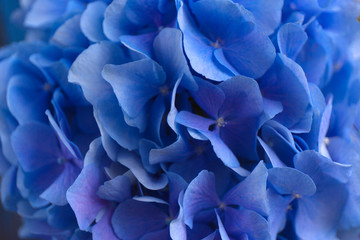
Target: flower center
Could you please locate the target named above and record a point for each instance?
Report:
(199, 150)
(61, 160)
(358, 18)
(326, 140)
(168, 220)
(164, 90)
(217, 44)
(222, 206)
(289, 207)
(221, 122)
(296, 195)
(47, 87)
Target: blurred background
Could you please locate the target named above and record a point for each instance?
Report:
(8, 30)
(9, 222)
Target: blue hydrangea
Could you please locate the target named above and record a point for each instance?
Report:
(183, 119)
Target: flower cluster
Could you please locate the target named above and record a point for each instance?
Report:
(183, 119)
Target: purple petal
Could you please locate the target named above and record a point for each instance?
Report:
(103, 229)
(82, 196)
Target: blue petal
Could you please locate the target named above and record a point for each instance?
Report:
(267, 13)
(222, 230)
(223, 152)
(82, 196)
(115, 22)
(281, 141)
(111, 118)
(251, 53)
(274, 159)
(315, 137)
(176, 185)
(176, 152)
(242, 112)
(103, 229)
(251, 192)
(116, 190)
(155, 120)
(135, 83)
(162, 234)
(144, 149)
(241, 221)
(7, 126)
(193, 121)
(209, 97)
(168, 51)
(150, 181)
(28, 98)
(69, 34)
(56, 192)
(69, 149)
(140, 43)
(345, 152)
(313, 59)
(177, 226)
(35, 145)
(198, 49)
(320, 168)
(200, 195)
(87, 68)
(61, 217)
(91, 21)
(45, 13)
(291, 181)
(278, 206)
(291, 38)
(37, 181)
(9, 192)
(129, 214)
(286, 82)
(313, 218)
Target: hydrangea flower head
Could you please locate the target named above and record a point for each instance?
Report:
(182, 119)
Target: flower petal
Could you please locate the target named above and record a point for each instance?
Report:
(251, 192)
(127, 216)
(200, 195)
(291, 181)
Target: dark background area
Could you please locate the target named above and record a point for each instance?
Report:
(9, 222)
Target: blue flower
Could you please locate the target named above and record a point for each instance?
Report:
(235, 113)
(221, 40)
(314, 185)
(239, 212)
(136, 22)
(182, 119)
